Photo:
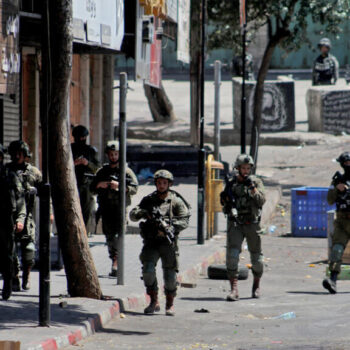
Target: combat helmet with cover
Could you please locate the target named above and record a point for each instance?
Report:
(325, 42)
(244, 159)
(164, 174)
(18, 146)
(344, 157)
(112, 146)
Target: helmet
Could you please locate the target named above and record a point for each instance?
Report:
(244, 159)
(112, 146)
(164, 174)
(19, 146)
(80, 131)
(325, 42)
(344, 157)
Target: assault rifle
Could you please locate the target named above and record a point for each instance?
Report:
(339, 178)
(162, 225)
(227, 199)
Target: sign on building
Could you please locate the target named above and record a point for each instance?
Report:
(183, 33)
(99, 23)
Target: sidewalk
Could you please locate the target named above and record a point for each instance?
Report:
(82, 317)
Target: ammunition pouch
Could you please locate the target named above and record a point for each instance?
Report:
(149, 230)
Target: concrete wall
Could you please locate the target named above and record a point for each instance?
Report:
(328, 109)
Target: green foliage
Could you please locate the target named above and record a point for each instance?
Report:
(286, 18)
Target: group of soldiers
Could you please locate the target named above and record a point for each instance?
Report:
(164, 214)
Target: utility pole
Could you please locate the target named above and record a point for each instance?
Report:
(243, 23)
(122, 169)
(201, 152)
(44, 239)
(217, 83)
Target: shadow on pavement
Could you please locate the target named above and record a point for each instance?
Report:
(118, 331)
(15, 313)
(313, 293)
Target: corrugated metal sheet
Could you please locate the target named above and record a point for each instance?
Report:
(11, 122)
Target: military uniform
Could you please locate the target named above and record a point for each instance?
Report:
(13, 210)
(173, 210)
(325, 70)
(245, 225)
(30, 178)
(83, 181)
(341, 235)
(108, 203)
(326, 67)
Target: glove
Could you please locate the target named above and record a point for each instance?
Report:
(249, 182)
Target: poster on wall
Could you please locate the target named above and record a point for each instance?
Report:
(155, 73)
(183, 35)
(99, 23)
(9, 46)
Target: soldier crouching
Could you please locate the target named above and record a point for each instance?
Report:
(242, 201)
(166, 213)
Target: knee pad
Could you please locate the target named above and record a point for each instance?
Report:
(148, 267)
(337, 252)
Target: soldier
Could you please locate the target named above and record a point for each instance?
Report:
(339, 194)
(30, 178)
(12, 217)
(326, 66)
(166, 213)
(85, 162)
(242, 201)
(105, 184)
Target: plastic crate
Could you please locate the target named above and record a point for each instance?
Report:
(309, 211)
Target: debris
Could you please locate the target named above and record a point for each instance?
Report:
(286, 316)
(63, 304)
(122, 315)
(202, 311)
(283, 212)
(188, 285)
(249, 266)
(308, 276)
(272, 229)
(312, 265)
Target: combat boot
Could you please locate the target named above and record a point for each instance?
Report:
(154, 304)
(233, 296)
(16, 284)
(169, 306)
(331, 283)
(114, 271)
(256, 288)
(26, 278)
(7, 288)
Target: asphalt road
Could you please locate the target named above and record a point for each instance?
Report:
(292, 283)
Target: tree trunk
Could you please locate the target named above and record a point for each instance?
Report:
(195, 68)
(259, 92)
(81, 274)
(159, 104)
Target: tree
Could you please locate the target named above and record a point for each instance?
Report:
(81, 274)
(287, 24)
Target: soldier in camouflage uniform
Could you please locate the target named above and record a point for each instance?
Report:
(85, 162)
(242, 201)
(326, 67)
(30, 178)
(339, 193)
(105, 184)
(12, 218)
(160, 238)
